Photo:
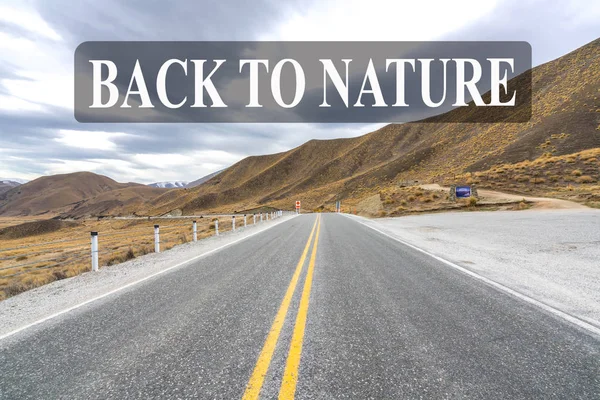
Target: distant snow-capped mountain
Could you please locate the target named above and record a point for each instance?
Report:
(7, 184)
(169, 185)
(13, 181)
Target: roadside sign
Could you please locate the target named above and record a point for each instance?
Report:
(298, 204)
(463, 192)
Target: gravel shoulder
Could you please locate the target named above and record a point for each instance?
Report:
(31, 306)
(550, 255)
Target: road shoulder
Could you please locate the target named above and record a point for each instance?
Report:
(59, 297)
(541, 267)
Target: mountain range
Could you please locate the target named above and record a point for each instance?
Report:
(565, 120)
(76, 194)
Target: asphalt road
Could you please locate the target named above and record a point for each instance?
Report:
(360, 316)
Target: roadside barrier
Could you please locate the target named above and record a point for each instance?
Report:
(107, 247)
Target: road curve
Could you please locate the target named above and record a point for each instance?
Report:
(318, 307)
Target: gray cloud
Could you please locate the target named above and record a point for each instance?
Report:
(27, 139)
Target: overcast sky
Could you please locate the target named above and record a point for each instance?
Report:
(39, 136)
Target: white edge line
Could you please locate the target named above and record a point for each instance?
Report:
(568, 317)
(66, 310)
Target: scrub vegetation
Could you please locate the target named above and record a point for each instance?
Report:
(38, 250)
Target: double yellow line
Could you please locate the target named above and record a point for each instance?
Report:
(290, 375)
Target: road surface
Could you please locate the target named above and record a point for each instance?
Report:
(318, 307)
(550, 255)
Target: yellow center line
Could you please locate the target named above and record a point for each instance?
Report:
(264, 359)
(290, 375)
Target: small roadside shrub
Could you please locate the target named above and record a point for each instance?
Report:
(553, 178)
(521, 178)
(15, 288)
(120, 258)
(59, 275)
(576, 172)
(129, 255)
(585, 179)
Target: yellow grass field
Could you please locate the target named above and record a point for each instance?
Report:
(37, 259)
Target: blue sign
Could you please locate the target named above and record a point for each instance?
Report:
(462, 192)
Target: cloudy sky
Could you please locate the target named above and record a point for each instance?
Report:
(39, 136)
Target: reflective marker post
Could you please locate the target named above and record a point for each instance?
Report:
(156, 239)
(94, 251)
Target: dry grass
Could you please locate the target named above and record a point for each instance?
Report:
(119, 240)
(571, 177)
(396, 201)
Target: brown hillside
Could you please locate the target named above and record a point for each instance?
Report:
(127, 201)
(565, 119)
(57, 194)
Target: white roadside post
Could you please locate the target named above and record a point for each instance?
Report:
(253, 219)
(94, 251)
(156, 239)
(261, 217)
(195, 231)
(233, 223)
(245, 220)
(216, 227)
